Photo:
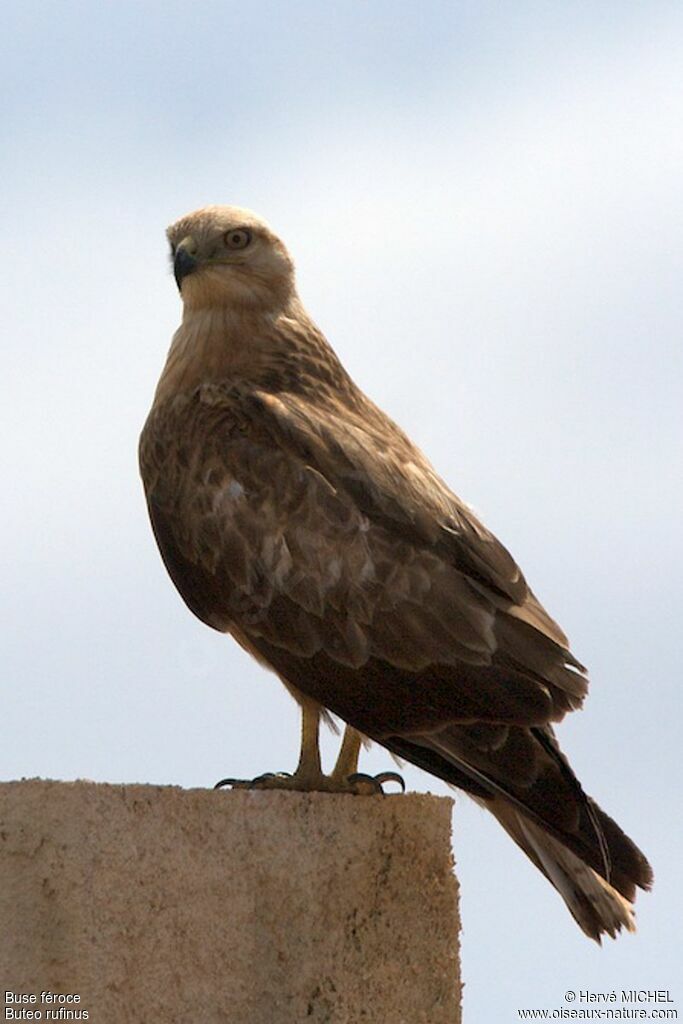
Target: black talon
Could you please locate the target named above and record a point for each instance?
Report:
(391, 777)
(227, 782)
(359, 782)
(252, 783)
(376, 781)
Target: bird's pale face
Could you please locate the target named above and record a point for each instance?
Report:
(225, 256)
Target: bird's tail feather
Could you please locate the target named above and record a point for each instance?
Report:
(597, 907)
(582, 852)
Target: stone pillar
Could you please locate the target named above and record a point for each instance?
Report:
(152, 903)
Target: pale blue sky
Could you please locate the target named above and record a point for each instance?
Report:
(484, 202)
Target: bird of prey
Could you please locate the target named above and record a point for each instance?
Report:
(295, 515)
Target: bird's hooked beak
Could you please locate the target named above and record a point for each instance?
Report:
(185, 259)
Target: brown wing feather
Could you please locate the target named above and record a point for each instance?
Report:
(527, 769)
(362, 450)
(276, 523)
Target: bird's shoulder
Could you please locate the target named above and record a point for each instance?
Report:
(316, 524)
(364, 454)
(334, 441)
(366, 458)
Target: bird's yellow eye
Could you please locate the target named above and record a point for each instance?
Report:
(239, 238)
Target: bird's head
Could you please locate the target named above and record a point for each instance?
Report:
(226, 256)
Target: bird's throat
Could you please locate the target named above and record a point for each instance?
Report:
(215, 344)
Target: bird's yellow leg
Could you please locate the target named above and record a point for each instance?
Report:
(309, 773)
(345, 771)
(347, 759)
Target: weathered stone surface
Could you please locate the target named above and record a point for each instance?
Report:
(155, 903)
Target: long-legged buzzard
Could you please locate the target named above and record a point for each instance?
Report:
(294, 514)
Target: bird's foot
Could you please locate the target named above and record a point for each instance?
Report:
(357, 783)
(371, 784)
